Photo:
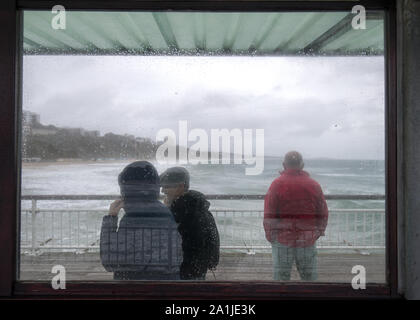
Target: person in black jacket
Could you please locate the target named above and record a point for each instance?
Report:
(146, 245)
(200, 237)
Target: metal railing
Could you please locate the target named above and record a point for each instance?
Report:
(78, 230)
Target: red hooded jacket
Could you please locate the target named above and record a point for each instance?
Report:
(295, 210)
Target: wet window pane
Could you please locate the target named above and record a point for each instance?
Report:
(203, 146)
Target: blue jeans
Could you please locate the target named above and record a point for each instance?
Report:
(284, 256)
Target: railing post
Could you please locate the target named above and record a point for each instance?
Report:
(33, 219)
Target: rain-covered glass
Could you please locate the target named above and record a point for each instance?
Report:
(203, 146)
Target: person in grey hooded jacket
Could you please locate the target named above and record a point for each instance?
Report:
(146, 244)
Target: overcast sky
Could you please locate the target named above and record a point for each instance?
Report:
(324, 107)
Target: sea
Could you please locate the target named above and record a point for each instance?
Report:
(336, 177)
(342, 177)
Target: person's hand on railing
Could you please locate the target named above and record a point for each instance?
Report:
(115, 207)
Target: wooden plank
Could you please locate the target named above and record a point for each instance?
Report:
(232, 267)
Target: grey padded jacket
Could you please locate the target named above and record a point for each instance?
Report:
(145, 246)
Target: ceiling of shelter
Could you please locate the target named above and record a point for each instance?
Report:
(206, 33)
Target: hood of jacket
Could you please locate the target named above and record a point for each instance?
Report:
(139, 181)
(294, 172)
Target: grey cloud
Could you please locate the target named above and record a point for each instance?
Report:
(329, 103)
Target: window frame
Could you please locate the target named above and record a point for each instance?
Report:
(11, 82)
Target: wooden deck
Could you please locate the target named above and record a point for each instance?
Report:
(332, 267)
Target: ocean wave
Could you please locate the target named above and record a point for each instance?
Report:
(350, 175)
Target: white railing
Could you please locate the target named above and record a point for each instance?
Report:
(79, 229)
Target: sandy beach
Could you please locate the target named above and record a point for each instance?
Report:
(76, 161)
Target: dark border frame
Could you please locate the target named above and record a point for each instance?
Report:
(10, 84)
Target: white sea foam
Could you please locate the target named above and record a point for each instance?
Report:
(335, 177)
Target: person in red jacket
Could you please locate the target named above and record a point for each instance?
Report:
(295, 216)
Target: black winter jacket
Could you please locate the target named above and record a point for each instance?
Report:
(196, 226)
